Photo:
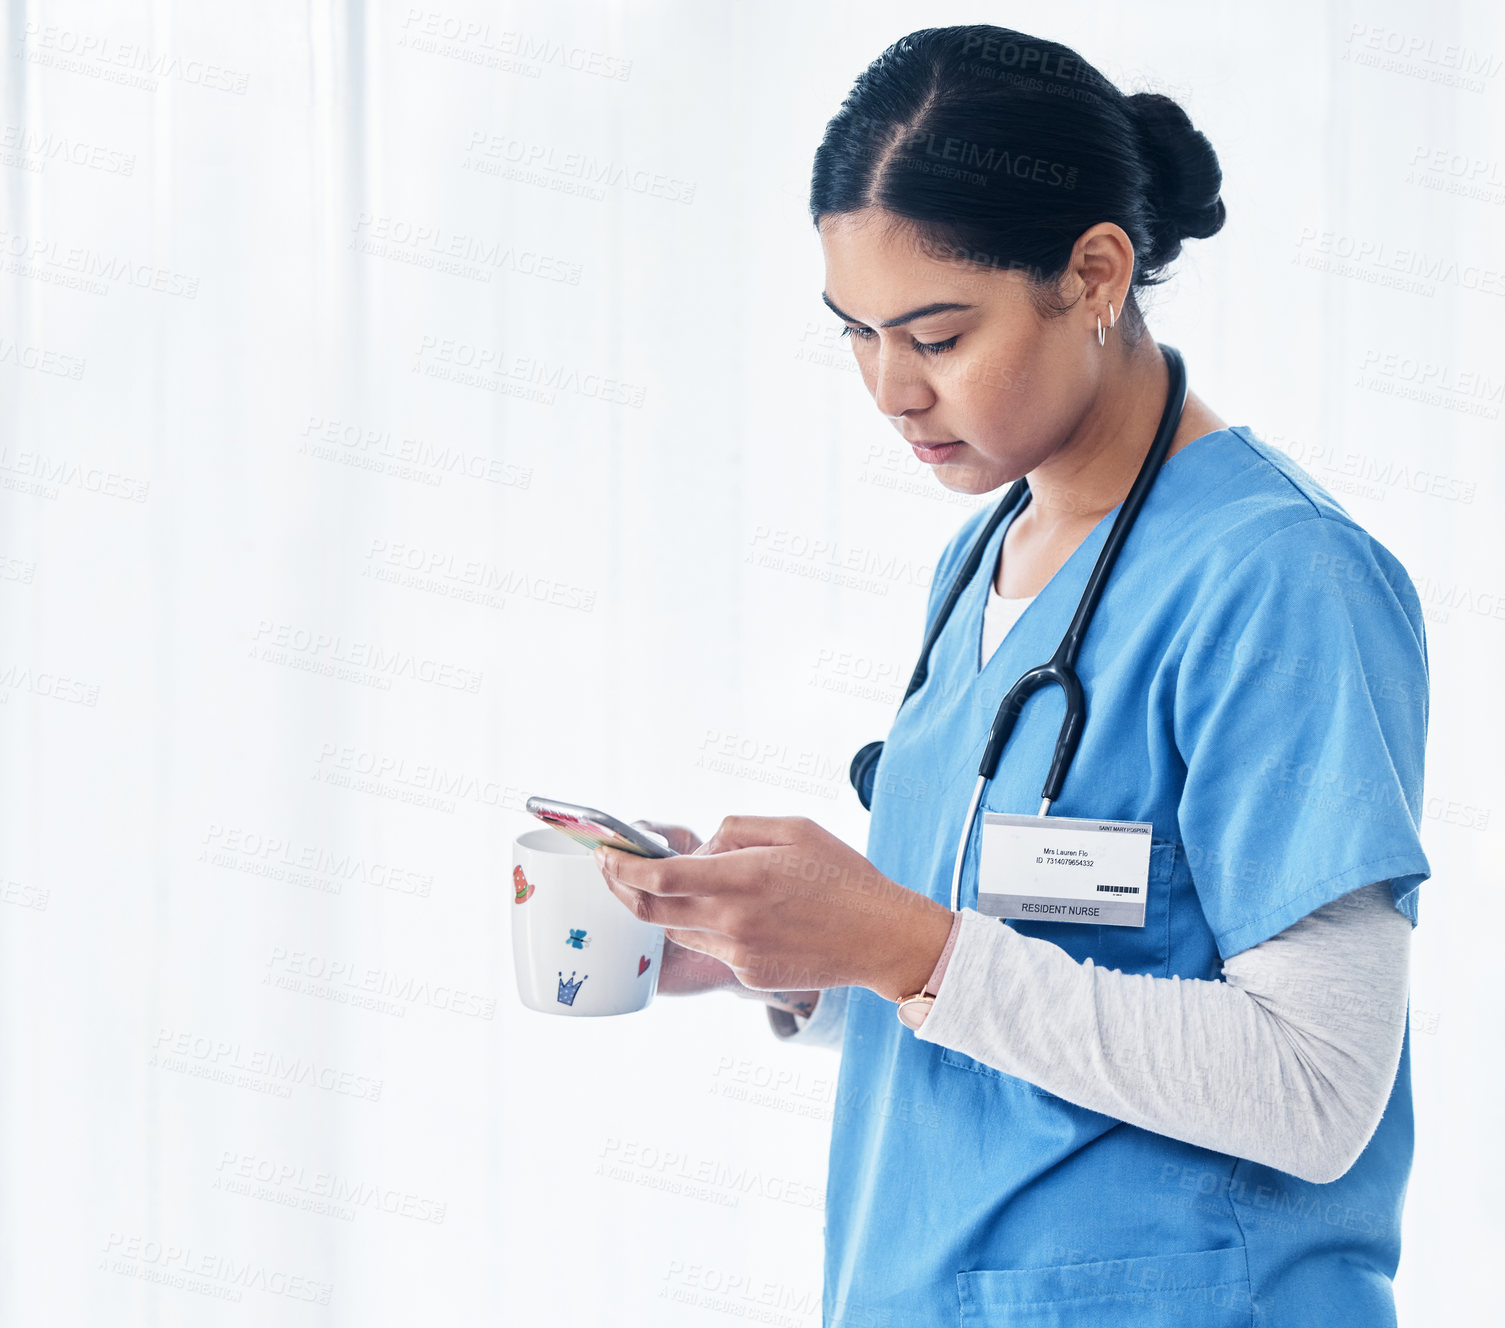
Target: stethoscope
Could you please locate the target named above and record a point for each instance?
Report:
(1060, 669)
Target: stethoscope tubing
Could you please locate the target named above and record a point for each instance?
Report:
(1060, 669)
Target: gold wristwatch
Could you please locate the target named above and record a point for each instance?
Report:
(913, 1009)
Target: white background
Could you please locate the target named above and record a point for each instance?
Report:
(188, 542)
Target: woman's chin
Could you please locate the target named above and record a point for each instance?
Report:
(964, 479)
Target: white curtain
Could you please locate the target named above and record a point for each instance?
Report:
(407, 408)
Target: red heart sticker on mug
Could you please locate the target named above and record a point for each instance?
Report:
(642, 965)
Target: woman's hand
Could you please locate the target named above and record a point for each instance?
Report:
(783, 904)
(684, 972)
(681, 838)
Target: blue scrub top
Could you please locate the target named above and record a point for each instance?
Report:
(1256, 680)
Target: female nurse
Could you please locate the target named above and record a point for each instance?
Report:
(1188, 1100)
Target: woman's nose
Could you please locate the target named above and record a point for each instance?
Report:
(898, 386)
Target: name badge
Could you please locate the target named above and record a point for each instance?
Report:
(1064, 869)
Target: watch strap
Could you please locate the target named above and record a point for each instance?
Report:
(912, 1010)
(933, 983)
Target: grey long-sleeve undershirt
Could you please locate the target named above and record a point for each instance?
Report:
(1288, 1060)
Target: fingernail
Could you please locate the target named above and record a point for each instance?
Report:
(600, 856)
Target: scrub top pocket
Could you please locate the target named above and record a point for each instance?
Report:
(964, 1062)
(1205, 1288)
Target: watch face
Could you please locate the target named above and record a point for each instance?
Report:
(913, 1010)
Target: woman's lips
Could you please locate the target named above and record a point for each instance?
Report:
(934, 452)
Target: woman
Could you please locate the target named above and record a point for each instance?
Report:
(1199, 1111)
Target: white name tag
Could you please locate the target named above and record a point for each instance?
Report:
(1064, 869)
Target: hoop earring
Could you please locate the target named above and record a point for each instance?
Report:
(1112, 318)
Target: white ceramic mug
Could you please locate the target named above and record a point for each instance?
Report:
(577, 948)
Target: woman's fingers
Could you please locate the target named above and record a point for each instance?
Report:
(711, 949)
(635, 882)
(686, 971)
(681, 838)
(736, 832)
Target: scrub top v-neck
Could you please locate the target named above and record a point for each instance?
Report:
(994, 552)
(999, 615)
(958, 1194)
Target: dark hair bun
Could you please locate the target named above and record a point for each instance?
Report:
(999, 150)
(1185, 178)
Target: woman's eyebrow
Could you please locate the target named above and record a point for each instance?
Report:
(924, 311)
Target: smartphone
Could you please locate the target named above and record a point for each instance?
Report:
(585, 825)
